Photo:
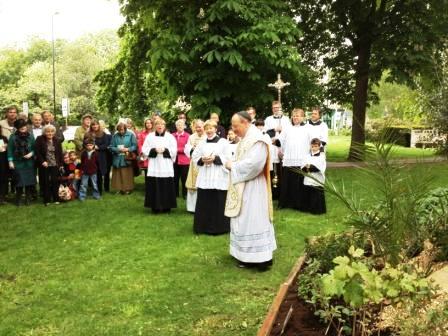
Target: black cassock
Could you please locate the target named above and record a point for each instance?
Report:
(160, 193)
(209, 214)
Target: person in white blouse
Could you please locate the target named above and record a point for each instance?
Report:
(295, 142)
(212, 183)
(161, 148)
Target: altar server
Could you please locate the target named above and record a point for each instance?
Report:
(295, 144)
(212, 182)
(317, 128)
(315, 165)
(160, 147)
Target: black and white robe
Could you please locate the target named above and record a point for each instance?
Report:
(314, 196)
(212, 184)
(160, 194)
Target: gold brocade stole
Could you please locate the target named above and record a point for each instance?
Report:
(193, 170)
(234, 198)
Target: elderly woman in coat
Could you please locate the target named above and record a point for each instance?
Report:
(21, 161)
(122, 146)
(49, 160)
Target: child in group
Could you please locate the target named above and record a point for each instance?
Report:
(89, 167)
(75, 166)
(315, 165)
(68, 177)
(233, 142)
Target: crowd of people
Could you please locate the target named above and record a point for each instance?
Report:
(228, 179)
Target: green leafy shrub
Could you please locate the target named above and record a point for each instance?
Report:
(432, 213)
(354, 291)
(392, 224)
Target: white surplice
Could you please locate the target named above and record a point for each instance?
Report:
(160, 166)
(252, 237)
(295, 144)
(213, 176)
(317, 160)
(318, 130)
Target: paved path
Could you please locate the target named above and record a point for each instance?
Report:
(346, 164)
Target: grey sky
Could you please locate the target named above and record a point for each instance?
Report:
(22, 19)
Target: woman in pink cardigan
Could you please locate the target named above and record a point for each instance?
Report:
(182, 161)
(141, 136)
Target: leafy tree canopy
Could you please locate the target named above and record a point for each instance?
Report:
(356, 40)
(220, 54)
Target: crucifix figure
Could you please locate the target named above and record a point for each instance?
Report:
(279, 85)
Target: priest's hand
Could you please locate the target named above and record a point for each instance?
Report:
(228, 165)
(160, 150)
(280, 154)
(28, 156)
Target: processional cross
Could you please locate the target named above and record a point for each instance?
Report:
(279, 85)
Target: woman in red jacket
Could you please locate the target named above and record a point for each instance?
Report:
(182, 161)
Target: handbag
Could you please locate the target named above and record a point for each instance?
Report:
(130, 156)
(65, 193)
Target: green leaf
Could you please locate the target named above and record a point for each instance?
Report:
(354, 294)
(341, 260)
(355, 253)
(332, 286)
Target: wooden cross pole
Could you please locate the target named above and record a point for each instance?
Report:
(279, 85)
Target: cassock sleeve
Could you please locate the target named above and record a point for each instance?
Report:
(317, 164)
(166, 153)
(152, 153)
(271, 132)
(252, 165)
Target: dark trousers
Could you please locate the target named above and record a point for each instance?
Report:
(50, 184)
(180, 173)
(3, 186)
(99, 182)
(28, 193)
(40, 176)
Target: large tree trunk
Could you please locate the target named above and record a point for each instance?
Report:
(357, 145)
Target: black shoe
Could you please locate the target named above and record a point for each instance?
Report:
(264, 266)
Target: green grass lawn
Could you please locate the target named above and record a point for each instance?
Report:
(110, 267)
(338, 147)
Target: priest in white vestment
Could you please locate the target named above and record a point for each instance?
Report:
(249, 202)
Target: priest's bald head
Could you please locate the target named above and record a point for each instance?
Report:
(241, 121)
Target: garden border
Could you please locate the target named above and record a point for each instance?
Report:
(269, 321)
